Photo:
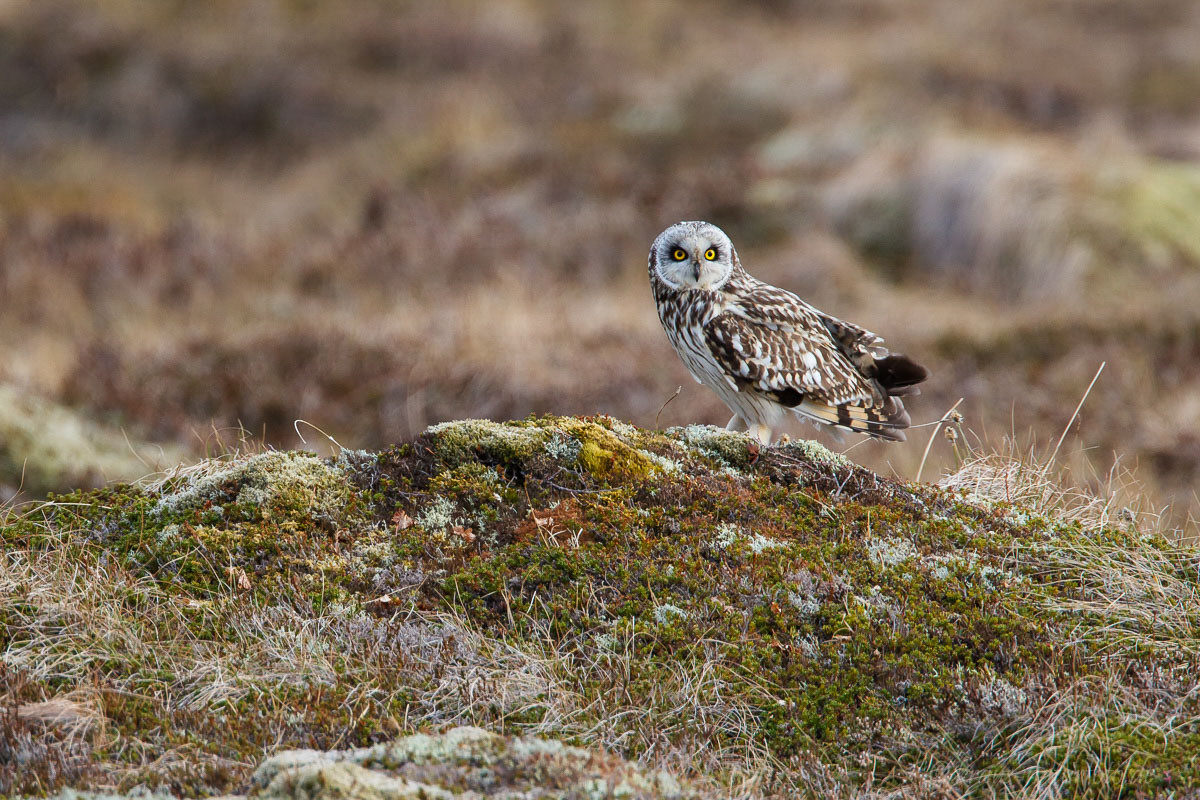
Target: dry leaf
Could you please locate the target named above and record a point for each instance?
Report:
(402, 521)
(467, 534)
(239, 577)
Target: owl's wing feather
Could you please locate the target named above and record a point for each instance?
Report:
(772, 342)
(896, 373)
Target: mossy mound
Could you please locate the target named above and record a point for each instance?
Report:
(763, 621)
(464, 762)
(603, 448)
(467, 763)
(45, 446)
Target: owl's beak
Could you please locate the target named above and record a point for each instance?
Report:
(696, 267)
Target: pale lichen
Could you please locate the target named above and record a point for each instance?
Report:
(817, 453)
(665, 465)
(1000, 698)
(666, 613)
(804, 596)
(727, 448)
(438, 515)
(563, 448)
(727, 535)
(889, 552)
(462, 763)
(292, 479)
(758, 543)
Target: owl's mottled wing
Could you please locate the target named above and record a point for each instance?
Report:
(774, 343)
(896, 374)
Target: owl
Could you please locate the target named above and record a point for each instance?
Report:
(767, 353)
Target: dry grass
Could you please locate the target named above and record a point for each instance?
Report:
(1086, 725)
(87, 634)
(1071, 489)
(45, 743)
(109, 634)
(673, 726)
(70, 617)
(1139, 608)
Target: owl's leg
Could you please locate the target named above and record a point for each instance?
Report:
(762, 432)
(736, 423)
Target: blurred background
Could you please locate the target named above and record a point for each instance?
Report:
(373, 215)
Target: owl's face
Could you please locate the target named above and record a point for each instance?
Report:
(693, 255)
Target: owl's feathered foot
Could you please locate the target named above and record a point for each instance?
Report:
(760, 432)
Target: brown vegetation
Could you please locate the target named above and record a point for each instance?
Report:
(375, 216)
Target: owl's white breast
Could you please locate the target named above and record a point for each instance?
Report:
(684, 317)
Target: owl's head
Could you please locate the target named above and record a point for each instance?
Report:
(693, 255)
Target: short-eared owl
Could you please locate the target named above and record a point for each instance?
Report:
(766, 352)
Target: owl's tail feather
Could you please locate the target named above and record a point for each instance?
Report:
(896, 376)
(886, 421)
(899, 375)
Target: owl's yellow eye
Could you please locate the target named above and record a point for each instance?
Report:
(678, 254)
(710, 254)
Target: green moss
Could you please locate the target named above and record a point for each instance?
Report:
(604, 455)
(278, 485)
(458, 442)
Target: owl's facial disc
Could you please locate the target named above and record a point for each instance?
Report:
(694, 255)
